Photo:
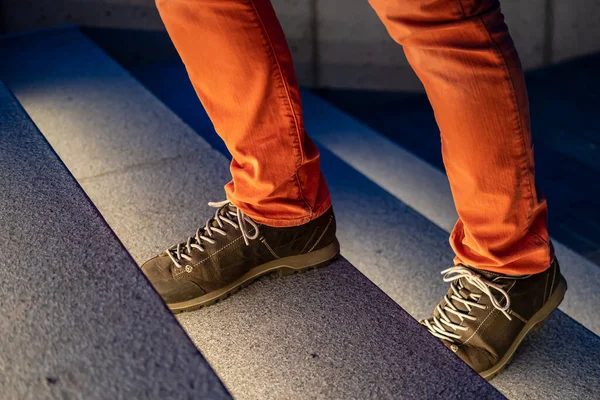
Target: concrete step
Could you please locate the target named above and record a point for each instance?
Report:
(426, 190)
(78, 319)
(325, 334)
(400, 250)
(560, 362)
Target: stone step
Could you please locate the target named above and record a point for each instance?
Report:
(78, 318)
(325, 334)
(402, 251)
(426, 190)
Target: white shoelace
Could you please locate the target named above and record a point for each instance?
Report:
(442, 327)
(237, 219)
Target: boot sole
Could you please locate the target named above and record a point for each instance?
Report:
(285, 266)
(533, 324)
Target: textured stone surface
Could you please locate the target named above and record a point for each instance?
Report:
(131, 24)
(296, 18)
(558, 362)
(335, 336)
(51, 93)
(526, 23)
(576, 27)
(403, 252)
(357, 52)
(324, 334)
(26, 15)
(150, 208)
(77, 317)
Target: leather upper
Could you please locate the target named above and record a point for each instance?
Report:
(489, 337)
(229, 257)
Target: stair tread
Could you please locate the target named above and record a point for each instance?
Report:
(403, 252)
(331, 332)
(77, 315)
(426, 190)
(111, 145)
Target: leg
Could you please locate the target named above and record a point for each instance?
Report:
(278, 215)
(463, 54)
(238, 60)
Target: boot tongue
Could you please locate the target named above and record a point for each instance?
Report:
(486, 274)
(464, 289)
(223, 211)
(489, 276)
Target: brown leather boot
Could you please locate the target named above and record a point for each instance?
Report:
(231, 251)
(485, 316)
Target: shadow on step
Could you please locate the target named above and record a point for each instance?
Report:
(562, 355)
(403, 252)
(331, 330)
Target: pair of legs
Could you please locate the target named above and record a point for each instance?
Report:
(278, 216)
(237, 58)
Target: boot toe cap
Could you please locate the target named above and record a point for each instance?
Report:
(477, 358)
(158, 271)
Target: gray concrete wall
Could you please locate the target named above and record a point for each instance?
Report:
(336, 43)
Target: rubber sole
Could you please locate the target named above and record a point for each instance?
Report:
(533, 324)
(284, 266)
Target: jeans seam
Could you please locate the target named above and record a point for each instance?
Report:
(515, 104)
(520, 128)
(538, 236)
(523, 157)
(296, 123)
(462, 8)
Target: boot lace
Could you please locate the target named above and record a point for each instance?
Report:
(441, 326)
(230, 215)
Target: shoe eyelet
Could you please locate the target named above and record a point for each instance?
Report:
(188, 268)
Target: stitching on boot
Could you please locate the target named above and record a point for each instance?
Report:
(308, 241)
(322, 234)
(221, 249)
(546, 288)
(480, 325)
(264, 241)
(552, 286)
(287, 244)
(494, 312)
(218, 256)
(482, 322)
(511, 312)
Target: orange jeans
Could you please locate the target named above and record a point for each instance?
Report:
(238, 60)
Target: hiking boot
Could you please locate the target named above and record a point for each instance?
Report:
(485, 316)
(231, 251)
